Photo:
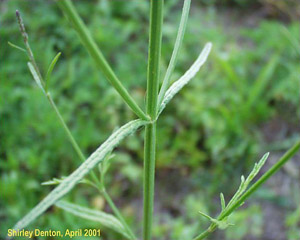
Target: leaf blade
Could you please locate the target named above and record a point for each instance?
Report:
(103, 218)
(177, 46)
(16, 46)
(189, 74)
(50, 69)
(245, 182)
(68, 184)
(36, 77)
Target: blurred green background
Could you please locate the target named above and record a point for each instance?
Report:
(243, 103)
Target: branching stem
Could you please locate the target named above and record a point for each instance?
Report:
(153, 101)
(287, 156)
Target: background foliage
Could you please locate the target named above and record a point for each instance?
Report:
(245, 101)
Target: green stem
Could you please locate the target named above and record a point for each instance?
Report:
(70, 136)
(149, 173)
(155, 35)
(65, 127)
(87, 40)
(287, 156)
(117, 213)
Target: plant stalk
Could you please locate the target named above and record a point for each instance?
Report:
(117, 213)
(287, 156)
(65, 127)
(155, 35)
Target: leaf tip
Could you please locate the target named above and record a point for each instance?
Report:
(208, 46)
(242, 178)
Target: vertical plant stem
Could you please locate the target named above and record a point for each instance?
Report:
(149, 172)
(155, 35)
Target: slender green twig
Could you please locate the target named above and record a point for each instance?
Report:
(87, 40)
(155, 35)
(99, 185)
(65, 127)
(102, 190)
(178, 43)
(117, 213)
(287, 156)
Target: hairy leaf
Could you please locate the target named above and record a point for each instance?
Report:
(178, 43)
(179, 84)
(68, 183)
(56, 181)
(36, 77)
(245, 183)
(103, 218)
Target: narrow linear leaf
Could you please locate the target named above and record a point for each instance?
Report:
(245, 182)
(223, 224)
(207, 216)
(56, 181)
(50, 69)
(178, 43)
(17, 47)
(223, 204)
(274, 169)
(36, 76)
(179, 84)
(103, 218)
(68, 183)
(257, 167)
